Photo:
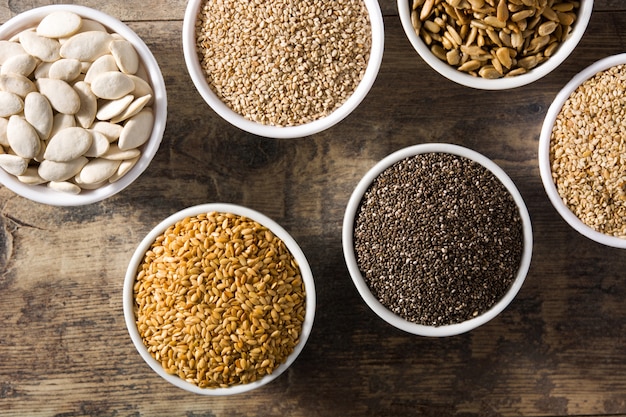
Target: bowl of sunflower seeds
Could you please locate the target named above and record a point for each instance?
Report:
(494, 44)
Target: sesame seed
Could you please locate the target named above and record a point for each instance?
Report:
(287, 62)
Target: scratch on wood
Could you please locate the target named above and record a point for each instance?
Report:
(6, 245)
(21, 223)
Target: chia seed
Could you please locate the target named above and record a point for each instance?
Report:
(438, 239)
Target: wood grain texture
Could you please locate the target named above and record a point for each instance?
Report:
(559, 349)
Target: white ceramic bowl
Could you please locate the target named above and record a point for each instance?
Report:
(451, 73)
(199, 80)
(42, 193)
(362, 286)
(138, 256)
(544, 152)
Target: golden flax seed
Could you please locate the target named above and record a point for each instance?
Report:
(207, 323)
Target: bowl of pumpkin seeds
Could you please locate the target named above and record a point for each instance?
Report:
(83, 105)
(284, 69)
(494, 44)
(219, 299)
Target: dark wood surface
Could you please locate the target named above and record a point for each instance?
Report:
(559, 349)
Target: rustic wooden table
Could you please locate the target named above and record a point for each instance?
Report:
(559, 349)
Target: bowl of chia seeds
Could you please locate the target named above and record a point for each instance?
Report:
(283, 69)
(582, 152)
(437, 239)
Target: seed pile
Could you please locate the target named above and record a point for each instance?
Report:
(75, 104)
(284, 62)
(588, 152)
(219, 300)
(493, 38)
(438, 239)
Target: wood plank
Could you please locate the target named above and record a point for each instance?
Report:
(558, 350)
(163, 10)
(155, 10)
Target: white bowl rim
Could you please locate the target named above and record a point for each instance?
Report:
(45, 195)
(280, 232)
(545, 170)
(447, 71)
(359, 281)
(285, 132)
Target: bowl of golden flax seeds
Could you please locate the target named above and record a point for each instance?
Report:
(494, 44)
(219, 299)
(283, 69)
(582, 152)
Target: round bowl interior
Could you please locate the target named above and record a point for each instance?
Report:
(199, 79)
(137, 258)
(42, 193)
(360, 283)
(451, 73)
(545, 169)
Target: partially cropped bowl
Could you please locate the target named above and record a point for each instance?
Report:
(422, 232)
(581, 155)
(229, 286)
(275, 66)
(503, 76)
(148, 70)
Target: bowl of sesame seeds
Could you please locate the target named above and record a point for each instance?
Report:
(219, 299)
(283, 69)
(437, 239)
(582, 152)
(494, 44)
